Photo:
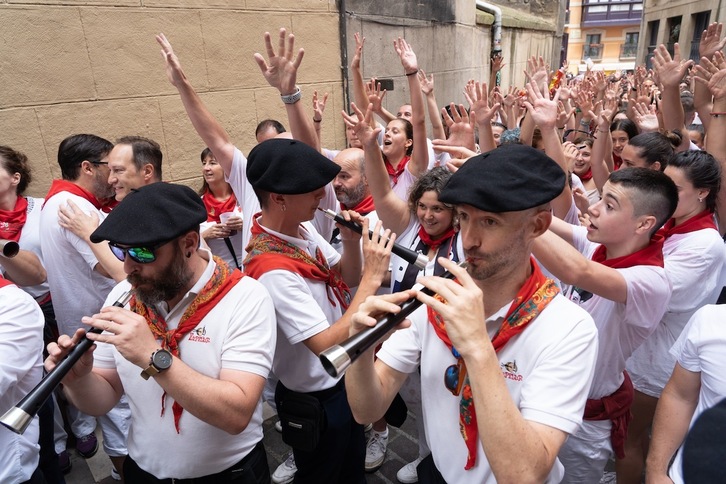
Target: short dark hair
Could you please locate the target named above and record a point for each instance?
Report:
(433, 180)
(651, 192)
(266, 124)
(78, 148)
(702, 170)
(657, 146)
(626, 125)
(145, 152)
(16, 162)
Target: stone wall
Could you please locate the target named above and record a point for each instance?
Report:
(72, 66)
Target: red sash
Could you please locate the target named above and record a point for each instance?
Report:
(215, 207)
(59, 186)
(531, 299)
(616, 408)
(267, 252)
(703, 220)
(365, 207)
(396, 172)
(12, 221)
(435, 243)
(216, 288)
(651, 255)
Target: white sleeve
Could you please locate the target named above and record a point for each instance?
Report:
(21, 336)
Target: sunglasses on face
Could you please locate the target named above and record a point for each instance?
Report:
(142, 255)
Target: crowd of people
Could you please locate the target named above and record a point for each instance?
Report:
(573, 256)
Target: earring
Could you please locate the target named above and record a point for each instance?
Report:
(284, 207)
(189, 254)
(700, 199)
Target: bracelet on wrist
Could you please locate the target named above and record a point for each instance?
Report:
(584, 123)
(292, 98)
(317, 120)
(412, 73)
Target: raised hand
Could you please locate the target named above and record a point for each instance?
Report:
(537, 71)
(365, 133)
(542, 109)
(497, 62)
(711, 41)
(407, 55)
(375, 95)
(173, 68)
(359, 41)
(712, 75)
(670, 71)
(319, 106)
(476, 95)
(645, 117)
(280, 70)
(427, 83)
(461, 127)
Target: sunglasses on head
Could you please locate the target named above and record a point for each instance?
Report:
(142, 255)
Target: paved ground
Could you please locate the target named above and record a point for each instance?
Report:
(402, 448)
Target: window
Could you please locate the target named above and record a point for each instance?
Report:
(592, 47)
(599, 13)
(700, 23)
(630, 48)
(653, 28)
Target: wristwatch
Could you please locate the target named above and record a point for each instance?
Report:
(161, 360)
(292, 98)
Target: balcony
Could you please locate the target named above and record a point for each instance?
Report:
(593, 51)
(628, 51)
(602, 14)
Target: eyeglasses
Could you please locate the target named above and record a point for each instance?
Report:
(455, 374)
(142, 255)
(567, 133)
(99, 162)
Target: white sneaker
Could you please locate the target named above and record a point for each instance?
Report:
(114, 474)
(407, 474)
(285, 472)
(376, 450)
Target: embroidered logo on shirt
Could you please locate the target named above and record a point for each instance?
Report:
(510, 370)
(199, 335)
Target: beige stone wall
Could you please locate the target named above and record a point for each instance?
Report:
(72, 66)
(94, 66)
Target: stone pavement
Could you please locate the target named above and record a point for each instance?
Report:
(402, 449)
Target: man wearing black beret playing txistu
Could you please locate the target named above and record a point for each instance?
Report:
(506, 361)
(191, 350)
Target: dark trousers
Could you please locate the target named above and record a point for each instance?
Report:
(252, 469)
(36, 478)
(341, 452)
(428, 473)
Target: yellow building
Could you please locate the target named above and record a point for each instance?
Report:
(603, 34)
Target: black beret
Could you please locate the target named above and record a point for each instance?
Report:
(704, 449)
(510, 178)
(151, 215)
(288, 167)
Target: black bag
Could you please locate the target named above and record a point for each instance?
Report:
(303, 420)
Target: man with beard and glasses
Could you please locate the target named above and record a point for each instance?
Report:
(191, 349)
(506, 361)
(77, 280)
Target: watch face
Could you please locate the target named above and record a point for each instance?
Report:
(162, 359)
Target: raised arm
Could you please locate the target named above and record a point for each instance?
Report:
(318, 110)
(420, 155)
(427, 88)
(543, 112)
(393, 212)
(602, 145)
(670, 72)
(477, 96)
(206, 125)
(711, 42)
(280, 72)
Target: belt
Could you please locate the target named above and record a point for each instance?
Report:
(223, 476)
(328, 392)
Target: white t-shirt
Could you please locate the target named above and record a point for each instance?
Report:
(219, 246)
(549, 368)
(30, 240)
(693, 264)
(237, 334)
(700, 348)
(303, 308)
(21, 368)
(410, 239)
(76, 288)
(621, 327)
(245, 194)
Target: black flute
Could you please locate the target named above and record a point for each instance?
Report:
(338, 358)
(19, 417)
(410, 256)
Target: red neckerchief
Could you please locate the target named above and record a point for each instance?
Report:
(365, 206)
(108, 204)
(651, 255)
(617, 162)
(59, 186)
(396, 172)
(4, 282)
(435, 243)
(587, 175)
(616, 408)
(216, 288)
(703, 220)
(266, 252)
(215, 207)
(12, 221)
(530, 300)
